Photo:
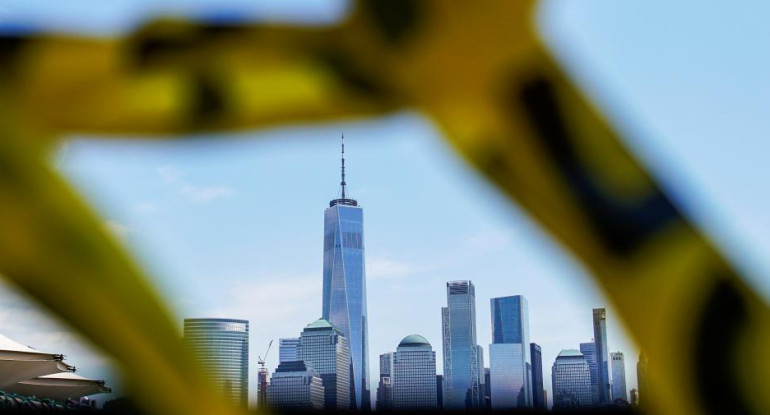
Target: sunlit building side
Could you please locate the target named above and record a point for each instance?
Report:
(221, 346)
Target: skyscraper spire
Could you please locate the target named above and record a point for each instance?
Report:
(342, 183)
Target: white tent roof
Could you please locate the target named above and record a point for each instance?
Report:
(59, 387)
(19, 362)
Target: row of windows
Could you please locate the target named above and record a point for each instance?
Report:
(352, 240)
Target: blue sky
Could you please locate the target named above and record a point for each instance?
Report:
(232, 225)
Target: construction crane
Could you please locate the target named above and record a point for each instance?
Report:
(262, 377)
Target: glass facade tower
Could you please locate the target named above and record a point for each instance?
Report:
(463, 358)
(385, 387)
(618, 376)
(589, 351)
(221, 346)
(414, 374)
(510, 363)
(602, 363)
(344, 286)
(538, 396)
(571, 381)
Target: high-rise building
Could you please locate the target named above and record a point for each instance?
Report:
(641, 378)
(487, 389)
(385, 387)
(463, 358)
(440, 391)
(538, 397)
(287, 350)
(571, 381)
(618, 376)
(589, 351)
(262, 387)
(295, 385)
(414, 374)
(221, 345)
(326, 349)
(602, 363)
(509, 354)
(344, 285)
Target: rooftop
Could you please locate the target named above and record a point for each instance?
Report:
(414, 340)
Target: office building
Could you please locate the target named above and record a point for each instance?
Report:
(414, 374)
(385, 387)
(487, 389)
(538, 396)
(463, 358)
(571, 381)
(326, 349)
(618, 377)
(509, 354)
(641, 378)
(296, 386)
(589, 351)
(287, 350)
(602, 359)
(221, 346)
(344, 285)
(440, 391)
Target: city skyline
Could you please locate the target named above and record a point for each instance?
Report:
(677, 130)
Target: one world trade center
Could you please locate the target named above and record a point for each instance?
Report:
(344, 286)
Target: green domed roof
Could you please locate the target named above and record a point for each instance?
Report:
(414, 340)
(320, 324)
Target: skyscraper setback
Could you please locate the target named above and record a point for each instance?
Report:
(344, 285)
(463, 357)
(510, 364)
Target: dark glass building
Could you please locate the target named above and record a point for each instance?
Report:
(538, 395)
(571, 381)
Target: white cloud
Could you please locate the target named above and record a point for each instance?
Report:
(120, 230)
(199, 193)
(205, 193)
(384, 268)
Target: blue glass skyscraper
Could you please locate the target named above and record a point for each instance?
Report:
(344, 285)
(463, 358)
(510, 365)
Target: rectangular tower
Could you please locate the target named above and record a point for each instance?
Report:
(618, 376)
(602, 363)
(538, 397)
(344, 285)
(463, 360)
(287, 349)
(325, 348)
(589, 351)
(509, 354)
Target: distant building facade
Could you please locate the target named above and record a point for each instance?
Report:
(295, 385)
(571, 381)
(589, 351)
(385, 386)
(510, 364)
(618, 376)
(221, 346)
(538, 393)
(440, 391)
(287, 349)
(326, 349)
(463, 357)
(641, 378)
(602, 363)
(414, 374)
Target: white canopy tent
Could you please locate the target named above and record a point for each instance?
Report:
(19, 363)
(59, 387)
